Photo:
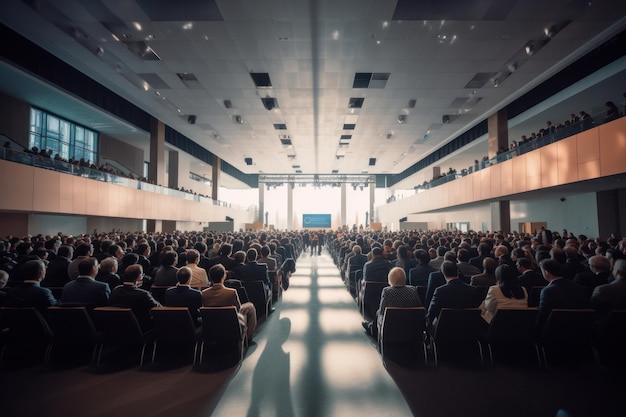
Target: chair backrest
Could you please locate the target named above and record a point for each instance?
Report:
(118, 325)
(403, 325)
(569, 327)
(421, 292)
(535, 294)
(513, 326)
(371, 299)
(458, 325)
(72, 325)
(26, 325)
(173, 324)
(158, 292)
(257, 296)
(220, 325)
(613, 330)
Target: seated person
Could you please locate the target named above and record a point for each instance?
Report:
(129, 295)
(182, 295)
(398, 294)
(108, 272)
(29, 293)
(85, 290)
(507, 293)
(220, 296)
(166, 275)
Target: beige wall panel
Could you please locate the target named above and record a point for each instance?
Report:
(533, 170)
(519, 174)
(117, 204)
(506, 177)
(567, 160)
(588, 170)
(104, 200)
(613, 147)
(549, 166)
(46, 190)
(477, 188)
(495, 188)
(588, 145)
(66, 188)
(19, 193)
(485, 183)
(83, 201)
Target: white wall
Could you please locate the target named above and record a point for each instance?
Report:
(51, 224)
(578, 213)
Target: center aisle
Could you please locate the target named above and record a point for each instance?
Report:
(312, 357)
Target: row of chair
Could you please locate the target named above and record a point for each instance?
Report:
(106, 330)
(510, 337)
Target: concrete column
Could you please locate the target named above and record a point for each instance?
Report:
(436, 172)
(157, 152)
(172, 177)
(501, 216)
(343, 204)
(498, 135)
(372, 199)
(216, 170)
(261, 215)
(611, 219)
(290, 206)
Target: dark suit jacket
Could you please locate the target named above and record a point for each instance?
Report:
(610, 296)
(184, 296)
(356, 262)
(252, 271)
(435, 280)
(531, 279)
(140, 301)
(30, 294)
(56, 273)
(483, 280)
(166, 276)
(419, 274)
(376, 270)
(560, 293)
(86, 291)
(113, 280)
(454, 294)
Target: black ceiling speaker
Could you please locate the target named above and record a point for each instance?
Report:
(445, 119)
(191, 119)
(248, 161)
(402, 220)
(372, 162)
(229, 219)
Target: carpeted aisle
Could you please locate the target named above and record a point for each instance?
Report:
(312, 357)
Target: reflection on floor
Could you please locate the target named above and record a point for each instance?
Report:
(312, 356)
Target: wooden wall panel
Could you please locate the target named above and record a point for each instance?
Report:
(519, 174)
(588, 146)
(17, 186)
(46, 190)
(549, 166)
(567, 160)
(506, 177)
(495, 176)
(533, 170)
(613, 147)
(84, 202)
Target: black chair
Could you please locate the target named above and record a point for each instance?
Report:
(174, 326)
(421, 292)
(27, 333)
(570, 332)
(511, 333)
(222, 335)
(611, 339)
(158, 292)
(74, 331)
(459, 330)
(258, 296)
(353, 278)
(402, 334)
(371, 300)
(534, 296)
(120, 331)
(241, 291)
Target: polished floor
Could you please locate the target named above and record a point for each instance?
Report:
(311, 358)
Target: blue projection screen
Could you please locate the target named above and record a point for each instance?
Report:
(316, 221)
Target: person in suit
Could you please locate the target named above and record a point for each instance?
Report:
(253, 271)
(129, 295)
(182, 295)
(398, 294)
(611, 296)
(357, 261)
(483, 252)
(217, 295)
(108, 272)
(454, 294)
(198, 275)
(418, 275)
(266, 259)
(82, 252)
(29, 293)
(56, 272)
(166, 275)
(85, 290)
(436, 279)
(488, 277)
(465, 268)
(143, 250)
(559, 293)
(529, 278)
(507, 293)
(598, 274)
(223, 257)
(375, 270)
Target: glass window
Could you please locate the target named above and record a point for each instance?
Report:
(62, 137)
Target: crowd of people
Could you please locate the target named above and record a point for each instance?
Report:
(489, 271)
(146, 270)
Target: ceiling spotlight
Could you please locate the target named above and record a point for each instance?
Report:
(402, 119)
(529, 48)
(238, 120)
(496, 82)
(549, 31)
(512, 67)
(228, 104)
